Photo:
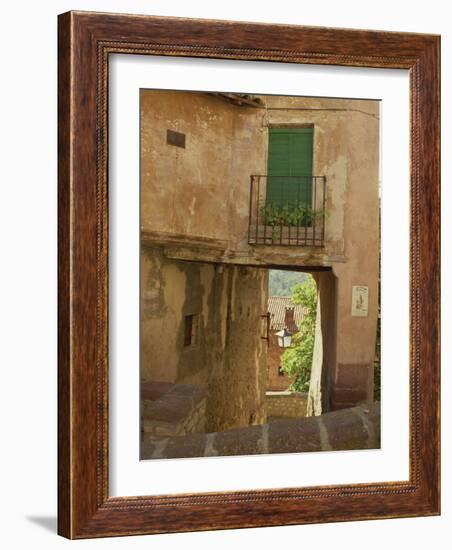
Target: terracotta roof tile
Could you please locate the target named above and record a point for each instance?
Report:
(277, 308)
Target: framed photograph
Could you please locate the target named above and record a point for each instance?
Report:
(248, 275)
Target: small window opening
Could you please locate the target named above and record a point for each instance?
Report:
(190, 330)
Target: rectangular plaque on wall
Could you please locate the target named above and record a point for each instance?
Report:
(360, 301)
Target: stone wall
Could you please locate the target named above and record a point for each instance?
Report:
(286, 404)
(172, 409)
(227, 357)
(347, 429)
(237, 384)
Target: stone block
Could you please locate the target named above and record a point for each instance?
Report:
(189, 446)
(171, 409)
(160, 428)
(147, 448)
(242, 441)
(154, 390)
(346, 429)
(197, 393)
(294, 436)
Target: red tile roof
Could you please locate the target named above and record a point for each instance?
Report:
(277, 308)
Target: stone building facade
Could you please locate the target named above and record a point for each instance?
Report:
(205, 251)
(283, 314)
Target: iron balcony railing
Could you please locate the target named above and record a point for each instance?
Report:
(287, 210)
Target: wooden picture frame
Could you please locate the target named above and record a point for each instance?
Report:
(86, 40)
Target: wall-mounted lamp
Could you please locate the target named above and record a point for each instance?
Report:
(284, 338)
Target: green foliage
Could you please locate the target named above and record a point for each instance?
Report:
(281, 282)
(377, 361)
(297, 360)
(377, 381)
(288, 215)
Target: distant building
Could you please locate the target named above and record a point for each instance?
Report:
(283, 314)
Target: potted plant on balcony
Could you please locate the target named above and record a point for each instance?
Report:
(287, 215)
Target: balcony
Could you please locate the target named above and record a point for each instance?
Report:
(287, 210)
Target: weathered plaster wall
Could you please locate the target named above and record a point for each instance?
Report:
(353, 377)
(324, 362)
(228, 357)
(314, 401)
(199, 192)
(170, 291)
(237, 385)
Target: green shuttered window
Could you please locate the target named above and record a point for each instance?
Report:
(290, 166)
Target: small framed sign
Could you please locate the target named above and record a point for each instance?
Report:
(360, 301)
